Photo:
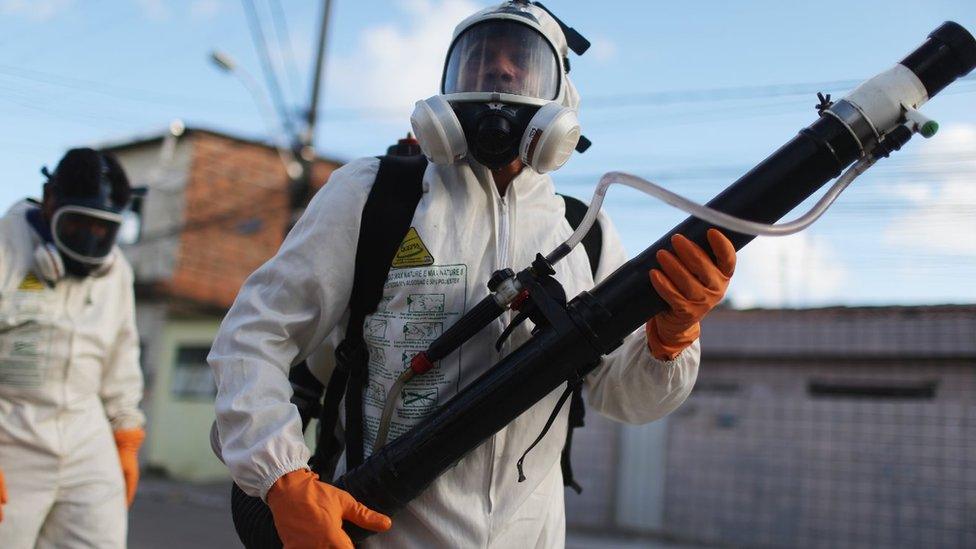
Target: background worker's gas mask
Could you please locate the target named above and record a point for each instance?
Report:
(505, 93)
(79, 239)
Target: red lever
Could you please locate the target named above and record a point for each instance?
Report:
(520, 300)
(420, 363)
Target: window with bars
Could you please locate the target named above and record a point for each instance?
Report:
(192, 378)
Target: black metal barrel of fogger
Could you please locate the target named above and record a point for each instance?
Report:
(396, 474)
(782, 181)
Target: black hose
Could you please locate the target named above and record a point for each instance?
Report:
(252, 517)
(253, 521)
(465, 328)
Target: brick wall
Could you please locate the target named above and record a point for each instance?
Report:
(236, 204)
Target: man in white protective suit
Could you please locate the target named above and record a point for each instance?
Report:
(70, 382)
(505, 117)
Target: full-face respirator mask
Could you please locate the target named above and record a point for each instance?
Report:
(505, 93)
(79, 239)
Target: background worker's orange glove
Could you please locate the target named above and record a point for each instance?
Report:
(308, 514)
(691, 284)
(3, 495)
(128, 442)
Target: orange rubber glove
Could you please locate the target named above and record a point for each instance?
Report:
(692, 285)
(128, 442)
(3, 495)
(308, 514)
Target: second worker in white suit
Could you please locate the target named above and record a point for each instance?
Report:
(70, 381)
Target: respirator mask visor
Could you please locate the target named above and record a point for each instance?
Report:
(501, 100)
(85, 234)
(502, 56)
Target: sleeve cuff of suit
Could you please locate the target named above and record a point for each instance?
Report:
(126, 422)
(669, 351)
(676, 360)
(277, 473)
(634, 387)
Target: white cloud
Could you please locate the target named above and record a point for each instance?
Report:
(912, 192)
(796, 270)
(38, 10)
(602, 49)
(944, 218)
(204, 10)
(154, 10)
(396, 65)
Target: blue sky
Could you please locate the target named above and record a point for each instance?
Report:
(691, 94)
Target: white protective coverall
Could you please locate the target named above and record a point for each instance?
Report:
(69, 377)
(299, 299)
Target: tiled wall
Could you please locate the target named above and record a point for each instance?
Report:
(760, 461)
(756, 459)
(595, 462)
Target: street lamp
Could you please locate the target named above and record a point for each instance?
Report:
(227, 64)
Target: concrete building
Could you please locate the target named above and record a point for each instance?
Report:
(840, 427)
(216, 208)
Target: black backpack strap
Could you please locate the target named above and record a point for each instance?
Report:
(593, 244)
(329, 444)
(385, 221)
(306, 392)
(552, 418)
(577, 413)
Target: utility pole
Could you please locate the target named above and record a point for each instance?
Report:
(301, 189)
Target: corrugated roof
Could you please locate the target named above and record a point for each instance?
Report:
(936, 331)
(139, 140)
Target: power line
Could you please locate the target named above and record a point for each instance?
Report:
(705, 95)
(915, 165)
(663, 99)
(286, 52)
(376, 112)
(103, 88)
(261, 47)
(64, 114)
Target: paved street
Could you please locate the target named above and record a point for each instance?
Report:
(169, 515)
(174, 515)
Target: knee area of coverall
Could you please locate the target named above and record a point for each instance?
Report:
(93, 522)
(85, 515)
(73, 501)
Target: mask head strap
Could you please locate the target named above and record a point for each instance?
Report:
(576, 41)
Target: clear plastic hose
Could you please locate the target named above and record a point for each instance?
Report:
(391, 399)
(707, 214)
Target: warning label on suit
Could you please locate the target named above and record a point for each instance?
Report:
(418, 304)
(412, 252)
